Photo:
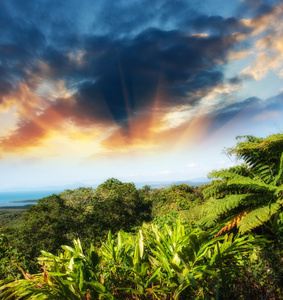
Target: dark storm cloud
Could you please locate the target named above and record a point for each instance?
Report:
(21, 44)
(215, 25)
(124, 74)
(6, 85)
(127, 72)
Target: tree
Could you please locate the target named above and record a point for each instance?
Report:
(79, 198)
(118, 205)
(250, 194)
(84, 214)
(46, 225)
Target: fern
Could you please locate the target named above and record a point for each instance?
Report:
(218, 189)
(231, 224)
(253, 185)
(257, 217)
(254, 189)
(279, 177)
(208, 220)
(231, 202)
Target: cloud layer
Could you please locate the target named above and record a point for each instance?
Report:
(142, 73)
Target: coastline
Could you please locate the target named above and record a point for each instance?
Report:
(18, 204)
(21, 207)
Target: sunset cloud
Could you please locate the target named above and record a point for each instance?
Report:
(268, 49)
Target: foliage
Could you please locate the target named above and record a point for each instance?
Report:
(11, 217)
(79, 199)
(176, 198)
(178, 202)
(70, 275)
(10, 259)
(123, 204)
(81, 214)
(248, 195)
(153, 264)
(47, 225)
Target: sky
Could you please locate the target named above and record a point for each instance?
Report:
(136, 90)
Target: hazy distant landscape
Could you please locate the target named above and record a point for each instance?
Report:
(19, 196)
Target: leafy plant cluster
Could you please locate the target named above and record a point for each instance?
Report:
(152, 264)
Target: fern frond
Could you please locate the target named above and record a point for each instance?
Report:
(250, 187)
(230, 202)
(217, 189)
(255, 151)
(240, 170)
(232, 223)
(223, 173)
(257, 217)
(222, 206)
(254, 184)
(194, 213)
(208, 220)
(265, 170)
(279, 177)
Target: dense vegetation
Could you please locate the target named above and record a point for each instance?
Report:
(218, 241)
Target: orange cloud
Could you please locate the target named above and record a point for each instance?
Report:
(238, 54)
(145, 139)
(32, 130)
(51, 119)
(23, 98)
(139, 136)
(268, 48)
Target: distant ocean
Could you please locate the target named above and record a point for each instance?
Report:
(23, 198)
